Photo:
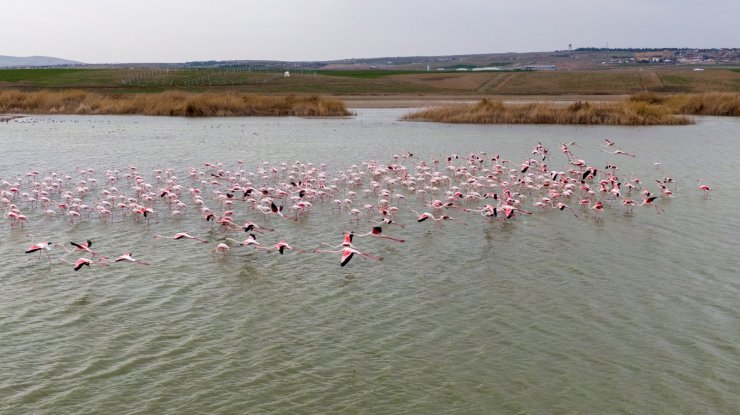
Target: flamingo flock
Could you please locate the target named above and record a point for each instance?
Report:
(230, 200)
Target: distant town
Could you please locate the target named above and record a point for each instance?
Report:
(568, 59)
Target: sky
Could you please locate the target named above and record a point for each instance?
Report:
(103, 31)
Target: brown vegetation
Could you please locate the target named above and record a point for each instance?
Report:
(607, 113)
(722, 104)
(168, 103)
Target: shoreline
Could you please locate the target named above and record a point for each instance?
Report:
(423, 101)
(11, 117)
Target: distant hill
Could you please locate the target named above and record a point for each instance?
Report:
(17, 61)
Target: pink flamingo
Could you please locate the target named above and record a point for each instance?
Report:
(251, 240)
(85, 247)
(347, 242)
(598, 208)
(562, 206)
(630, 204)
(347, 254)
(44, 247)
(81, 263)
(181, 235)
(377, 232)
(649, 199)
(126, 257)
(251, 226)
(278, 210)
(704, 188)
(618, 152)
(389, 222)
(421, 217)
(280, 247)
(221, 248)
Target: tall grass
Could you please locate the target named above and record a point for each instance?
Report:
(715, 103)
(495, 112)
(170, 103)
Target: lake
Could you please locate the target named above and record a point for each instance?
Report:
(547, 313)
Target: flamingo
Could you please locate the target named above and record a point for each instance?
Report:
(562, 206)
(426, 215)
(280, 247)
(81, 263)
(85, 247)
(347, 254)
(251, 240)
(181, 235)
(630, 204)
(221, 248)
(389, 222)
(598, 208)
(619, 152)
(126, 257)
(377, 232)
(251, 226)
(278, 210)
(704, 188)
(649, 199)
(39, 247)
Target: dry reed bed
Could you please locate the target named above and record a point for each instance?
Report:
(168, 104)
(642, 109)
(718, 104)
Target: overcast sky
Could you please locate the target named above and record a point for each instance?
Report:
(181, 30)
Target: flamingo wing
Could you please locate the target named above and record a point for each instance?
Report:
(346, 256)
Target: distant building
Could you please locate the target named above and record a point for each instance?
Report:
(487, 68)
(540, 68)
(286, 74)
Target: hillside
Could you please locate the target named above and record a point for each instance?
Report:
(33, 61)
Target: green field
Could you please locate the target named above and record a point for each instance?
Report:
(377, 82)
(367, 74)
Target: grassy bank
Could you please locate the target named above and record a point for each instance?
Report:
(495, 112)
(642, 109)
(168, 103)
(719, 104)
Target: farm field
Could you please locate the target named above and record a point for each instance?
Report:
(370, 83)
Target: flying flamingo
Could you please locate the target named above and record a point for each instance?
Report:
(181, 235)
(278, 210)
(251, 240)
(346, 242)
(562, 206)
(44, 247)
(280, 247)
(488, 211)
(618, 152)
(377, 232)
(421, 217)
(389, 222)
(251, 226)
(82, 262)
(649, 199)
(85, 247)
(126, 257)
(347, 254)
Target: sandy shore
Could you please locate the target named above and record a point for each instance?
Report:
(9, 117)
